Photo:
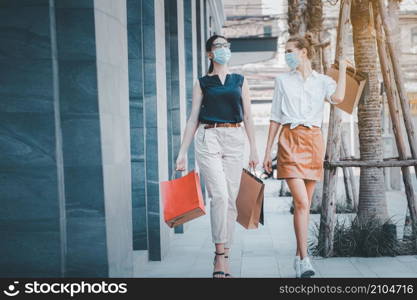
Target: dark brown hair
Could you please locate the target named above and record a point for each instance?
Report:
(209, 45)
(303, 42)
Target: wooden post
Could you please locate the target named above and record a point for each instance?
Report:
(350, 184)
(393, 56)
(387, 73)
(348, 191)
(328, 212)
(370, 163)
(325, 61)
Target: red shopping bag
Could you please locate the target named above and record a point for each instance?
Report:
(182, 199)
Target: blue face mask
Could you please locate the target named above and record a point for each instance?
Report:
(222, 55)
(292, 60)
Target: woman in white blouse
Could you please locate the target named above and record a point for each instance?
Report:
(297, 106)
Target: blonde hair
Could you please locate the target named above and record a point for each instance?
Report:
(305, 41)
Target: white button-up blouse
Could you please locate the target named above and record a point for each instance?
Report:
(298, 101)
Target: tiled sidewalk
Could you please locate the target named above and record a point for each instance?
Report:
(267, 251)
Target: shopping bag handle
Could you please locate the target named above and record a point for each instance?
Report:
(173, 173)
(253, 174)
(350, 67)
(254, 171)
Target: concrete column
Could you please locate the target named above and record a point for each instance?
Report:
(201, 59)
(194, 31)
(203, 34)
(172, 79)
(137, 132)
(198, 8)
(156, 154)
(190, 61)
(181, 66)
(66, 207)
(113, 95)
(173, 88)
(32, 211)
(189, 68)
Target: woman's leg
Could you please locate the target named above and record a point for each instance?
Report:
(310, 185)
(209, 160)
(233, 155)
(217, 191)
(219, 261)
(301, 212)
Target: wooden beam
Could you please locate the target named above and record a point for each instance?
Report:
(390, 69)
(350, 182)
(396, 69)
(370, 163)
(328, 208)
(348, 190)
(351, 158)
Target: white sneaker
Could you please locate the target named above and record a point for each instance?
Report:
(306, 269)
(297, 266)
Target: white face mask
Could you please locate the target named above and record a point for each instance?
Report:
(222, 55)
(292, 60)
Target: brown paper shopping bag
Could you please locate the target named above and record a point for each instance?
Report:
(355, 83)
(250, 200)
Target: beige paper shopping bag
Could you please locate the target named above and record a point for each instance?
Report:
(355, 83)
(250, 200)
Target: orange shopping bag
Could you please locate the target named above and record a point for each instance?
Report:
(182, 199)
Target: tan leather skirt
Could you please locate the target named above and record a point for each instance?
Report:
(300, 153)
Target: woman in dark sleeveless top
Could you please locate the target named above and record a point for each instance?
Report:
(220, 104)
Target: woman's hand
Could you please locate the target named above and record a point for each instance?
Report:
(180, 163)
(344, 63)
(267, 165)
(253, 159)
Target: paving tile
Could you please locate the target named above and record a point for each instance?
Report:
(407, 258)
(260, 275)
(397, 275)
(267, 252)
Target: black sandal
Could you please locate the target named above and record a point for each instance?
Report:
(227, 274)
(214, 263)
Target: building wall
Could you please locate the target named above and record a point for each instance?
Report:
(95, 98)
(67, 189)
(110, 19)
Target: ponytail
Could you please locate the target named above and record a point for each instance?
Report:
(211, 67)
(305, 41)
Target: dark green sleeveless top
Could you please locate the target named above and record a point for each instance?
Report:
(221, 103)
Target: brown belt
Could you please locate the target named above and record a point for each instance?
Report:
(289, 124)
(214, 125)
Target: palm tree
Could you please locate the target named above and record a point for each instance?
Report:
(314, 19)
(314, 27)
(372, 201)
(297, 16)
(296, 25)
(394, 12)
(307, 16)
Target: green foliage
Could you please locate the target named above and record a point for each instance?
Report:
(366, 239)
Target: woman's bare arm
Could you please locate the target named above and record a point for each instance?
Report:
(272, 133)
(249, 126)
(339, 94)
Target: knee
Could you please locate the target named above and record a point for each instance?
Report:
(232, 206)
(218, 199)
(301, 205)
